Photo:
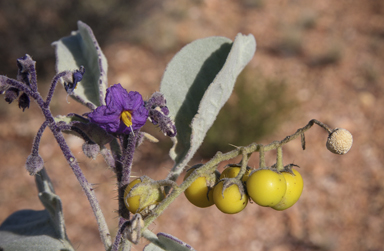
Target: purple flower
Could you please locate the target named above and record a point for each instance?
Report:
(123, 112)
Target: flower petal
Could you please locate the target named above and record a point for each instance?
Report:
(139, 117)
(133, 101)
(118, 101)
(107, 119)
(116, 97)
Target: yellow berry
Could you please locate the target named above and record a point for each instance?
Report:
(232, 172)
(230, 201)
(199, 193)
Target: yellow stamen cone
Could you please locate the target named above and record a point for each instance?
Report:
(126, 117)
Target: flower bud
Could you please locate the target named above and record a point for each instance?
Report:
(165, 110)
(25, 65)
(34, 164)
(77, 76)
(339, 141)
(24, 101)
(157, 99)
(91, 150)
(166, 125)
(11, 94)
(159, 114)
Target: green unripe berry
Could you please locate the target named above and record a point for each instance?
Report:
(142, 194)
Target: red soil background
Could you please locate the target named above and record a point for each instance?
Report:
(329, 56)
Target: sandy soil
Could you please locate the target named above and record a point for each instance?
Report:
(330, 55)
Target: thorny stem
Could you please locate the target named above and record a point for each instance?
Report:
(87, 188)
(36, 141)
(129, 146)
(117, 243)
(211, 165)
(33, 82)
(123, 169)
(123, 173)
(53, 87)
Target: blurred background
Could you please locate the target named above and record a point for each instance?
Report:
(314, 59)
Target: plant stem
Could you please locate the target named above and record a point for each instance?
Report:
(128, 152)
(120, 242)
(279, 159)
(36, 141)
(244, 162)
(53, 87)
(87, 188)
(123, 169)
(261, 156)
(211, 165)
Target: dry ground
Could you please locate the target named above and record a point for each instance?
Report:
(330, 55)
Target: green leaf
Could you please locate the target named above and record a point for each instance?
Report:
(37, 230)
(185, 81)
(68, 119)
(197, 83)
(167, 243)
(82, 49)
(93, 131)
(31, 230)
